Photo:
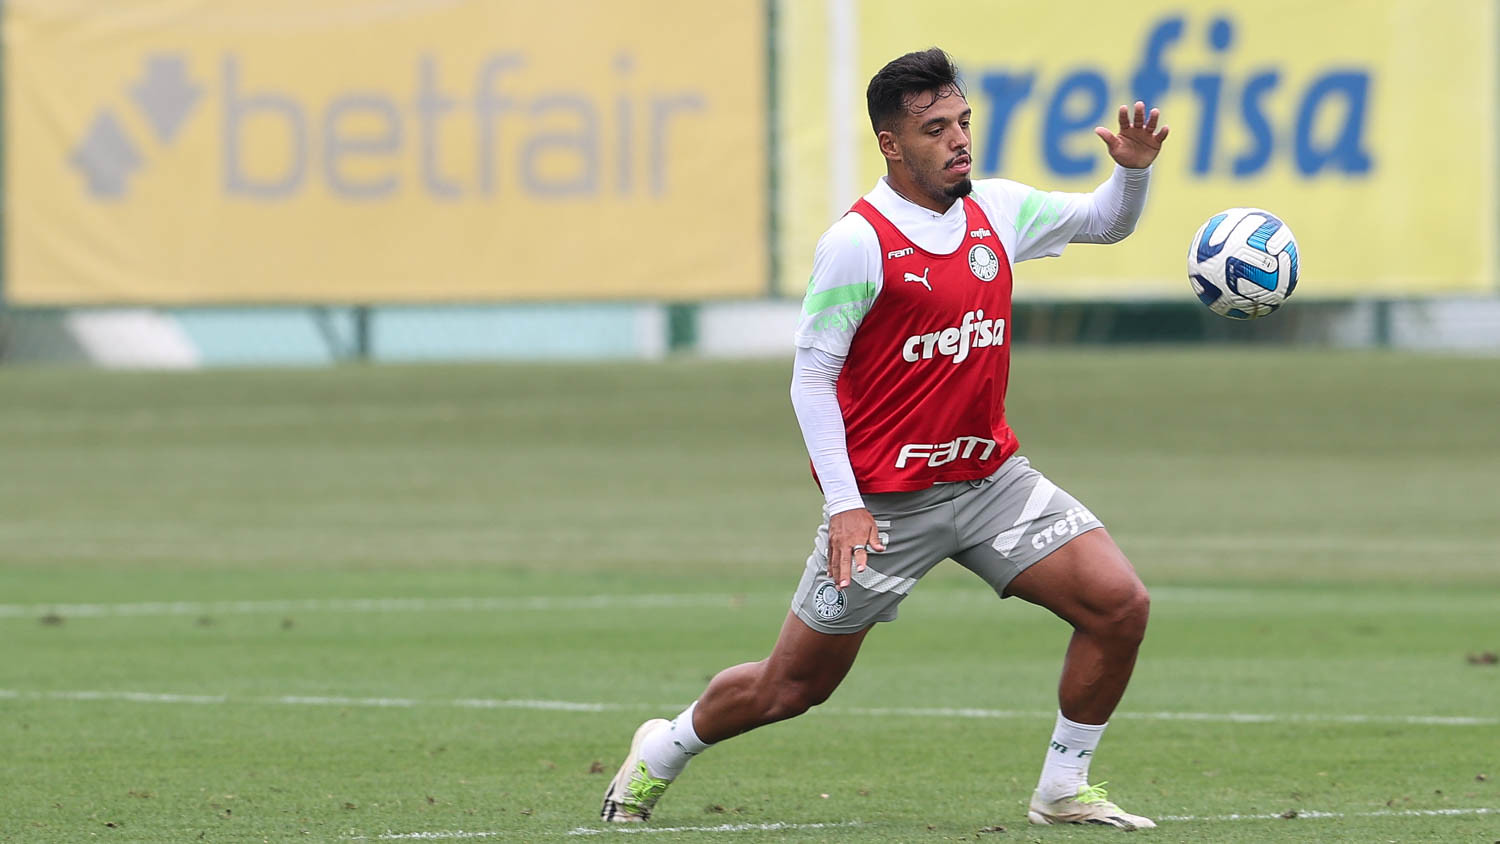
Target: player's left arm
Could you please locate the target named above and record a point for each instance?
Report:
(1109, 214)
(1046, 222)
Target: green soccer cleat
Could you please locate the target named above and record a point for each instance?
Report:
(1090, 805)
(633, 793)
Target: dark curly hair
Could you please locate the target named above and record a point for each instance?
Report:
(900, 85)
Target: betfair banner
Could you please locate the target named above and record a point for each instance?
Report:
(383, 150)
(1368, 125)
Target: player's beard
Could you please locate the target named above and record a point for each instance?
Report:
(932, 184)
(964, 187)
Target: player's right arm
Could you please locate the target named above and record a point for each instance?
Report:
(846, 279)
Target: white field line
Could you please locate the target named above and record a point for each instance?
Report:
(724, 827)
(1314, 815)
(363, 605)
(322, 700)
(1270, 544)
(622, 830)
(1218, 717)
(777, 827)
(580, 706)
(426, 836)
(1163, 595)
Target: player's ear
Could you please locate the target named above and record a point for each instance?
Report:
(889, 146)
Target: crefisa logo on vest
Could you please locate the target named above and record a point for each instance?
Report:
(983, 263)
(828, 601)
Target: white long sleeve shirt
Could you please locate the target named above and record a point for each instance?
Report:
(1030, 224)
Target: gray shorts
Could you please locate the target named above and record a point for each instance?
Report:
(995, 528)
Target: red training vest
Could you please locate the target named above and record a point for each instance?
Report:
(922, 390)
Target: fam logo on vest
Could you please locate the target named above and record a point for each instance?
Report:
(983, 263)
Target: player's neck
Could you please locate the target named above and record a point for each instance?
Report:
(909, 191)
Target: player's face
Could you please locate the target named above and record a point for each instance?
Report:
(935, 144)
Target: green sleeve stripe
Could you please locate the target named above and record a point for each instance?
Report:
(838, 296)
(1029, 207)
(1038, 203)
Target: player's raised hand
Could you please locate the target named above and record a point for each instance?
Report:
(1138, 141)
(852, 534)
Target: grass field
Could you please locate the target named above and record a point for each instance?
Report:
(423, 603)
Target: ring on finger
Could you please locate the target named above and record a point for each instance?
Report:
(864, 548)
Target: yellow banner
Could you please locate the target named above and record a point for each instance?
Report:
(383, 150)
(1369, 126)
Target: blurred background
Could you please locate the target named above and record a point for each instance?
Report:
(287, 593)
(268, 182)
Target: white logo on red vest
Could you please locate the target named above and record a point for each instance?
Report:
(981, 233)
(920, 279)
(983, 263)
(938, 454)
(974, 332)
(900, 253)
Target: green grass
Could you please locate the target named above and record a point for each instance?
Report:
(1320, 532)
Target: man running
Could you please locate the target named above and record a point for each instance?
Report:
(903, 355)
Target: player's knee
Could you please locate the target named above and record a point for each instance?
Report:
(1117, 611)
(1130, 611)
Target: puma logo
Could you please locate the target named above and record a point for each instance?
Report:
(920, 279)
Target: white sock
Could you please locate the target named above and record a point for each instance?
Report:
(667, 752)
(1067, 765)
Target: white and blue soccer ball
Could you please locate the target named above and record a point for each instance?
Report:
(1243, 263)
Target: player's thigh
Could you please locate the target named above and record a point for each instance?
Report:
(1026, 536)
(1088, 582)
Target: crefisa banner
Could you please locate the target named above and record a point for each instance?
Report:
(1369, 126)
(398, 150)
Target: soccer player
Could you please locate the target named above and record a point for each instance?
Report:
(903, 354)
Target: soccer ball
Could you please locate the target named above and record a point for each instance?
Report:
(1243, 263)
